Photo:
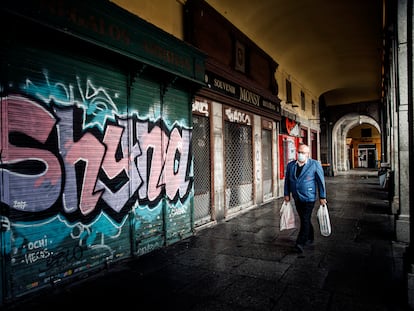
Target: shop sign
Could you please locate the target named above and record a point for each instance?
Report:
(111, 26)
(240, 93)
(291, 127)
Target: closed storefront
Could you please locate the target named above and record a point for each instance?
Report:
(236, 116)
(60, 173)
(238, 151)
(267, 159)
(96, 125)
(203, 213)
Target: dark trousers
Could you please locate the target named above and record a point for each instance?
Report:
(306, 232)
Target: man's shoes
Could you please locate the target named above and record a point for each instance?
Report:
(299, 248)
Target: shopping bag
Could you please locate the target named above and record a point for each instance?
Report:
(324, 221)
(287, 216)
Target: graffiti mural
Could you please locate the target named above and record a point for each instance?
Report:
(78, 171)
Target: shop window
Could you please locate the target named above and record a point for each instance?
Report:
(288, 92)
(302, 101)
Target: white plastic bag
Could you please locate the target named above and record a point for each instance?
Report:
(324, 221)
(287, 216)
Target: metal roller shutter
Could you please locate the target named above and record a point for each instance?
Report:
(178, 168)
(149, 209)
(202, 170)
(267, 164)
(239, 166)
(65, 174)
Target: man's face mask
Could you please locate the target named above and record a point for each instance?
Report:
(301, 157)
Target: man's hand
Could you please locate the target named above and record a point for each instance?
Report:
(323, 201)
(287, 198)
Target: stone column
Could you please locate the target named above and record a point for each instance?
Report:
(408, 9)
(218, 156)
(403, 218)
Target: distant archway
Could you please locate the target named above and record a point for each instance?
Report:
(339, 134)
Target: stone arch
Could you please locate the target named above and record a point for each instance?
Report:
(339, 133)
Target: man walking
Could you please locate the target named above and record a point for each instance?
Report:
(304, 179)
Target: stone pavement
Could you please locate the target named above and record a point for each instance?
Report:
(247, 263)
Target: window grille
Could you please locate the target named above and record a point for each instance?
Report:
(239, 164)
(202, 170)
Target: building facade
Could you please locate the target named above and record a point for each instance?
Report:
(240, 108)
(96, 125)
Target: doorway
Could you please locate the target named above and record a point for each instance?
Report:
(367, 156)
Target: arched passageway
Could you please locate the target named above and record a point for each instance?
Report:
(342, 153)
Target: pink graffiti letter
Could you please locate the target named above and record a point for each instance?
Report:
(32, 175)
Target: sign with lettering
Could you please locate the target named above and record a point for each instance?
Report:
(237, 116)
(201, 107)
(240, 93)
(290, 127)
(109, 25)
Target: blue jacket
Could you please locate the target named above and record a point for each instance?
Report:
(304, 188)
